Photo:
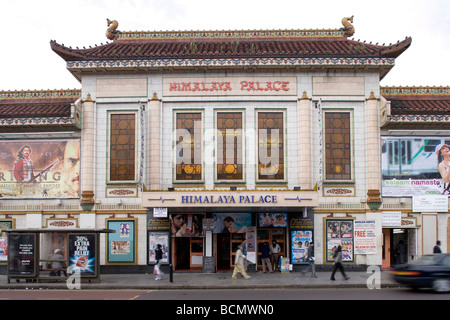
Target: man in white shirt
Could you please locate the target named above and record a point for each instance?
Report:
(274, 251)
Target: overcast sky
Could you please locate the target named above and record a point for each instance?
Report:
(28, 26)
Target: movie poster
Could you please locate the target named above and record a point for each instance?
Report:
(231, 222)
(82, 254)
(187, 225)
(300, 240)
(272, 220)
(39, 168)
(154, 239)
(340, 233)
(4, 225)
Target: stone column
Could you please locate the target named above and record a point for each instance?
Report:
(304, 144)
(87, 154)
(154, 159)
(373, 153)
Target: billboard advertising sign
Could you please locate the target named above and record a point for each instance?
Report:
(39, 168)
(413, 166)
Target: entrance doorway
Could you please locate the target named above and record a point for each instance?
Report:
(399, 246)
(268, 235)
(188, 253)
(227, 244)
(223, 253)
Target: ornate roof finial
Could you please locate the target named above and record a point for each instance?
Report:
(348, 28)
(112, 33)
(304, 97)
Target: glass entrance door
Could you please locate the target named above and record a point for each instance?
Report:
(227, 244)
(188, 253)
(270, 234)
(223, 253)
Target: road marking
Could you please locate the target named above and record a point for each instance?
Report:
(139, 295)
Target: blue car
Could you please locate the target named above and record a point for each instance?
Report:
(429, 271)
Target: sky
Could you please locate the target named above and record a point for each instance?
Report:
(28, 63)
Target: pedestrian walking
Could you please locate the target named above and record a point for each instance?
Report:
(274, 251)
(437, 247)
(310, 258)
(244, 252)
(265, 257)
(338, 264)
(158, 256)
(239, 264)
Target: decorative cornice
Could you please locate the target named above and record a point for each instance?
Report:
(49, 121)
(419, 118)
(228, 62)
(390, 91)
(40, 94)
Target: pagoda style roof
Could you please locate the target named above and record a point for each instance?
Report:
(225, 49)
(39, 107)
(266, 44)
(409, 105)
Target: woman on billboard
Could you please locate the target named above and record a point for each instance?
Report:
(443, 153)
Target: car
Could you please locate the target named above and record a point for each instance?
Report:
(428, 271)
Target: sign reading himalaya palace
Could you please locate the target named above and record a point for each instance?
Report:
(230, 199)
(230, 86)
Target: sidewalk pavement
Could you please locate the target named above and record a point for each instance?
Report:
(221, 280)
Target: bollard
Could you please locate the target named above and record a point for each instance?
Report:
(170, 273)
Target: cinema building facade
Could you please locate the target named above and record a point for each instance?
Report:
(200, 140)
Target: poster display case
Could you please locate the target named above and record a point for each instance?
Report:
(121, 245)
(339, 232)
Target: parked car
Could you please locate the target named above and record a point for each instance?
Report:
(428, 271)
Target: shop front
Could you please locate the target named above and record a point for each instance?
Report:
(200, 231)
(399, 242)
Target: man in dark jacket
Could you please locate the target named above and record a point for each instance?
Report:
(265, 257)
(310, 258)
(437, 247)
